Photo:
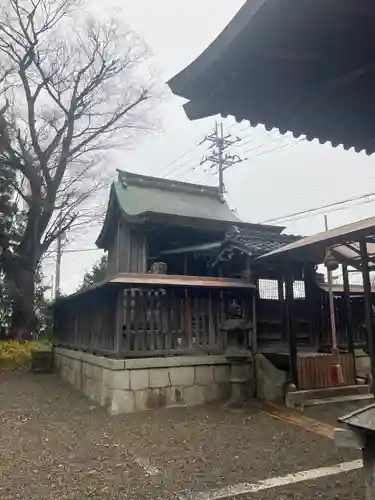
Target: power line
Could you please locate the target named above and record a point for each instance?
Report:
(296, 215)
(74, 250)
(179, 157)
(249, 137)
(218, 158)
(184, 172)
(337, 209)
(165, 176)
(284, 145)
(176, 159)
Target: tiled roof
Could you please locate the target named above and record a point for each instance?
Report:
(256, 243)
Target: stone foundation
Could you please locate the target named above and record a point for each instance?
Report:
(362, 364)
(270, 380)
(126, 386)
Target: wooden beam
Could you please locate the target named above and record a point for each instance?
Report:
(347, 309)
(368, 305)
(358, 252)
(290, 325)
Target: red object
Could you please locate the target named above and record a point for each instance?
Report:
(336, 374)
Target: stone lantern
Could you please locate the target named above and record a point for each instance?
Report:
(238, 354)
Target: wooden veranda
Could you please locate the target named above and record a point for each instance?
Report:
(144, 315)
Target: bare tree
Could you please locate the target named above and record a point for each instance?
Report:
(72, 89)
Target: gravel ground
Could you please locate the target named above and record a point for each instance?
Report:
(348, 486)
(56, 444)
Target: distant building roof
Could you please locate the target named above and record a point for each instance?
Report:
(141, 198)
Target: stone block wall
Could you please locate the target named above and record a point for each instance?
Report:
(125, 386)
(362, 364)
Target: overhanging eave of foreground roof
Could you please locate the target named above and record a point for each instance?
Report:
(303, 67)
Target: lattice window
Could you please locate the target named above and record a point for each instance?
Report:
(268, 289)
(299, 290)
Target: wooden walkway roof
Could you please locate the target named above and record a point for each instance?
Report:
(342, 240)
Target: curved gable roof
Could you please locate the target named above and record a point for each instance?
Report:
(140, 197)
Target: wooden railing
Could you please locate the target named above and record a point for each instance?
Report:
(149, 320)
(88, 321)
(315, 370)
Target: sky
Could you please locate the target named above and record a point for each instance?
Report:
(279, 175)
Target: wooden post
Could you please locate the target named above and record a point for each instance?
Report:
(362, 438)
(290, 325)
(119, 322)
(254, 321)
(347, 309)
(368, 456)
(310, 297)
(368, 305)
(280, 287)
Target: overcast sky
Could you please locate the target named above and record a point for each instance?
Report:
(280, 176)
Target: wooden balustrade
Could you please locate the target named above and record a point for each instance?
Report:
(148, 321)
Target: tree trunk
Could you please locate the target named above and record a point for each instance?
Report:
(23, 316)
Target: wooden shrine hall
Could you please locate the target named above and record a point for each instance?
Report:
(178, 268)
(176, 275)
(306, 68)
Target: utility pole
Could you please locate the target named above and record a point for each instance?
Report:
(58, 266)
(218, 157)
(59, 251)
(331, 300)
(337, 377)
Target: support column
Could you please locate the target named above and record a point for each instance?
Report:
(368, 455)
(290, 325)
(311, 303)
(281, 304)
(119, 322)
(368, 305)
(348, 309)
(254, 320)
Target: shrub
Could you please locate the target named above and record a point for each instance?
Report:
(17, 353)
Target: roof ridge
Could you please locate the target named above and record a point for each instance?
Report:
(125, 178)
(263, 233)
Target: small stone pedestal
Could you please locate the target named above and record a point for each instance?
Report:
(238, 378)
(42, 361)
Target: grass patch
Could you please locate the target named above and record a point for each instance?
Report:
(17, 353)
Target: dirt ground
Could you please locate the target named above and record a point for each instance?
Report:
(56, 444)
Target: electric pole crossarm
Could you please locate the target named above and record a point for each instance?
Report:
(220, 143)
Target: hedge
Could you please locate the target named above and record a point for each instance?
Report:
(17, 353)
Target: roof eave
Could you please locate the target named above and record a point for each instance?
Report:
(101, 239)
(181, 84)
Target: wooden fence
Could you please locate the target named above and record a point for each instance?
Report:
(314, 370)
(148, 321)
